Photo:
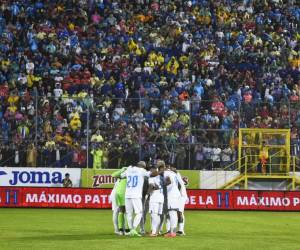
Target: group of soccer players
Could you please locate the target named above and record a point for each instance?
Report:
(159, 191)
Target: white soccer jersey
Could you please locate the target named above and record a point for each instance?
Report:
(172, 189)
(182, 186)
(156, 195)
(135, 181)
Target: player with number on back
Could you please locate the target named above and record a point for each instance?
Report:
(133, 195)
(173, 198)
(156, 202)
(183, 198)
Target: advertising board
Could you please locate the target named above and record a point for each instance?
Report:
(38, 177)
(91, 178)
(197, 199)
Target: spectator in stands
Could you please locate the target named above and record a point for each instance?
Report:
(97, 138)
(163, 70)
(199, 157)
(226, 156)
(67, 183)
(264, 157)
(216, 156)
(31, 156)
(97, 154)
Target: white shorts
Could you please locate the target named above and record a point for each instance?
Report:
(173, 203)
(134, 205)
(156, 208)
(181, 204)
(112, 199)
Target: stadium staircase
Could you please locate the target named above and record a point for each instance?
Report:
(248, 172)
(297, 183)
(238, 181)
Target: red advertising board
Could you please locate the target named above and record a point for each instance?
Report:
(197, 199)
(54, 197)
(243, 200)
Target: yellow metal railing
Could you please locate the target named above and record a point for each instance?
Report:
(238, 166)
(283, 164)
(228, 167)
(247, 169)
(252, 140)
(295, 164)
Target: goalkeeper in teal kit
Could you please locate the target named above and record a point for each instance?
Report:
(120, 200)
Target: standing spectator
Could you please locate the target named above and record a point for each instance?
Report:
(97, 154)
(216, 157)
(67, 183)
(226, 156)
(31, 156)
(180, 157)
(199, 157)
(97, 138)
(207, 150)
(264, 157)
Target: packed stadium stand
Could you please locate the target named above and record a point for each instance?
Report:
(99, 83)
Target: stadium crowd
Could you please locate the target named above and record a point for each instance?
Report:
(141, 78)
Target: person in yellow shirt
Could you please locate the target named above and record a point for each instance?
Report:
(184, 118)
(97, 158)
(97, 137)
(132, 45)
(152, 57)
(13, 99)
(48, 129)
(172, 66)
(31, 157)
(13, 109)
(50, 143)
(264, 157)
(160, 59)
(75, 123)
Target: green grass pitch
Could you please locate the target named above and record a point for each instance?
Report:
(92, 229)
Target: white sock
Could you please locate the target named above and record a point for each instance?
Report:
(173, 220)
(115, 219)
(143, 221)
(161, 224)
(168, 225)
(137, 220)
(155, 220)
(181, 224)
(129, 220)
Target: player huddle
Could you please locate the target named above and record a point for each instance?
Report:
(165, 193)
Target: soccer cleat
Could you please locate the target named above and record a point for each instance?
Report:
(152, 235)
(127, 232)
(180, 233)
(170, 235)
(119, 233)
(133, 232)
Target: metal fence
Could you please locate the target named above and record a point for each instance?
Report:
(104, 132)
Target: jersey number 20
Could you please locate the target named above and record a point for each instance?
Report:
(132, 181)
